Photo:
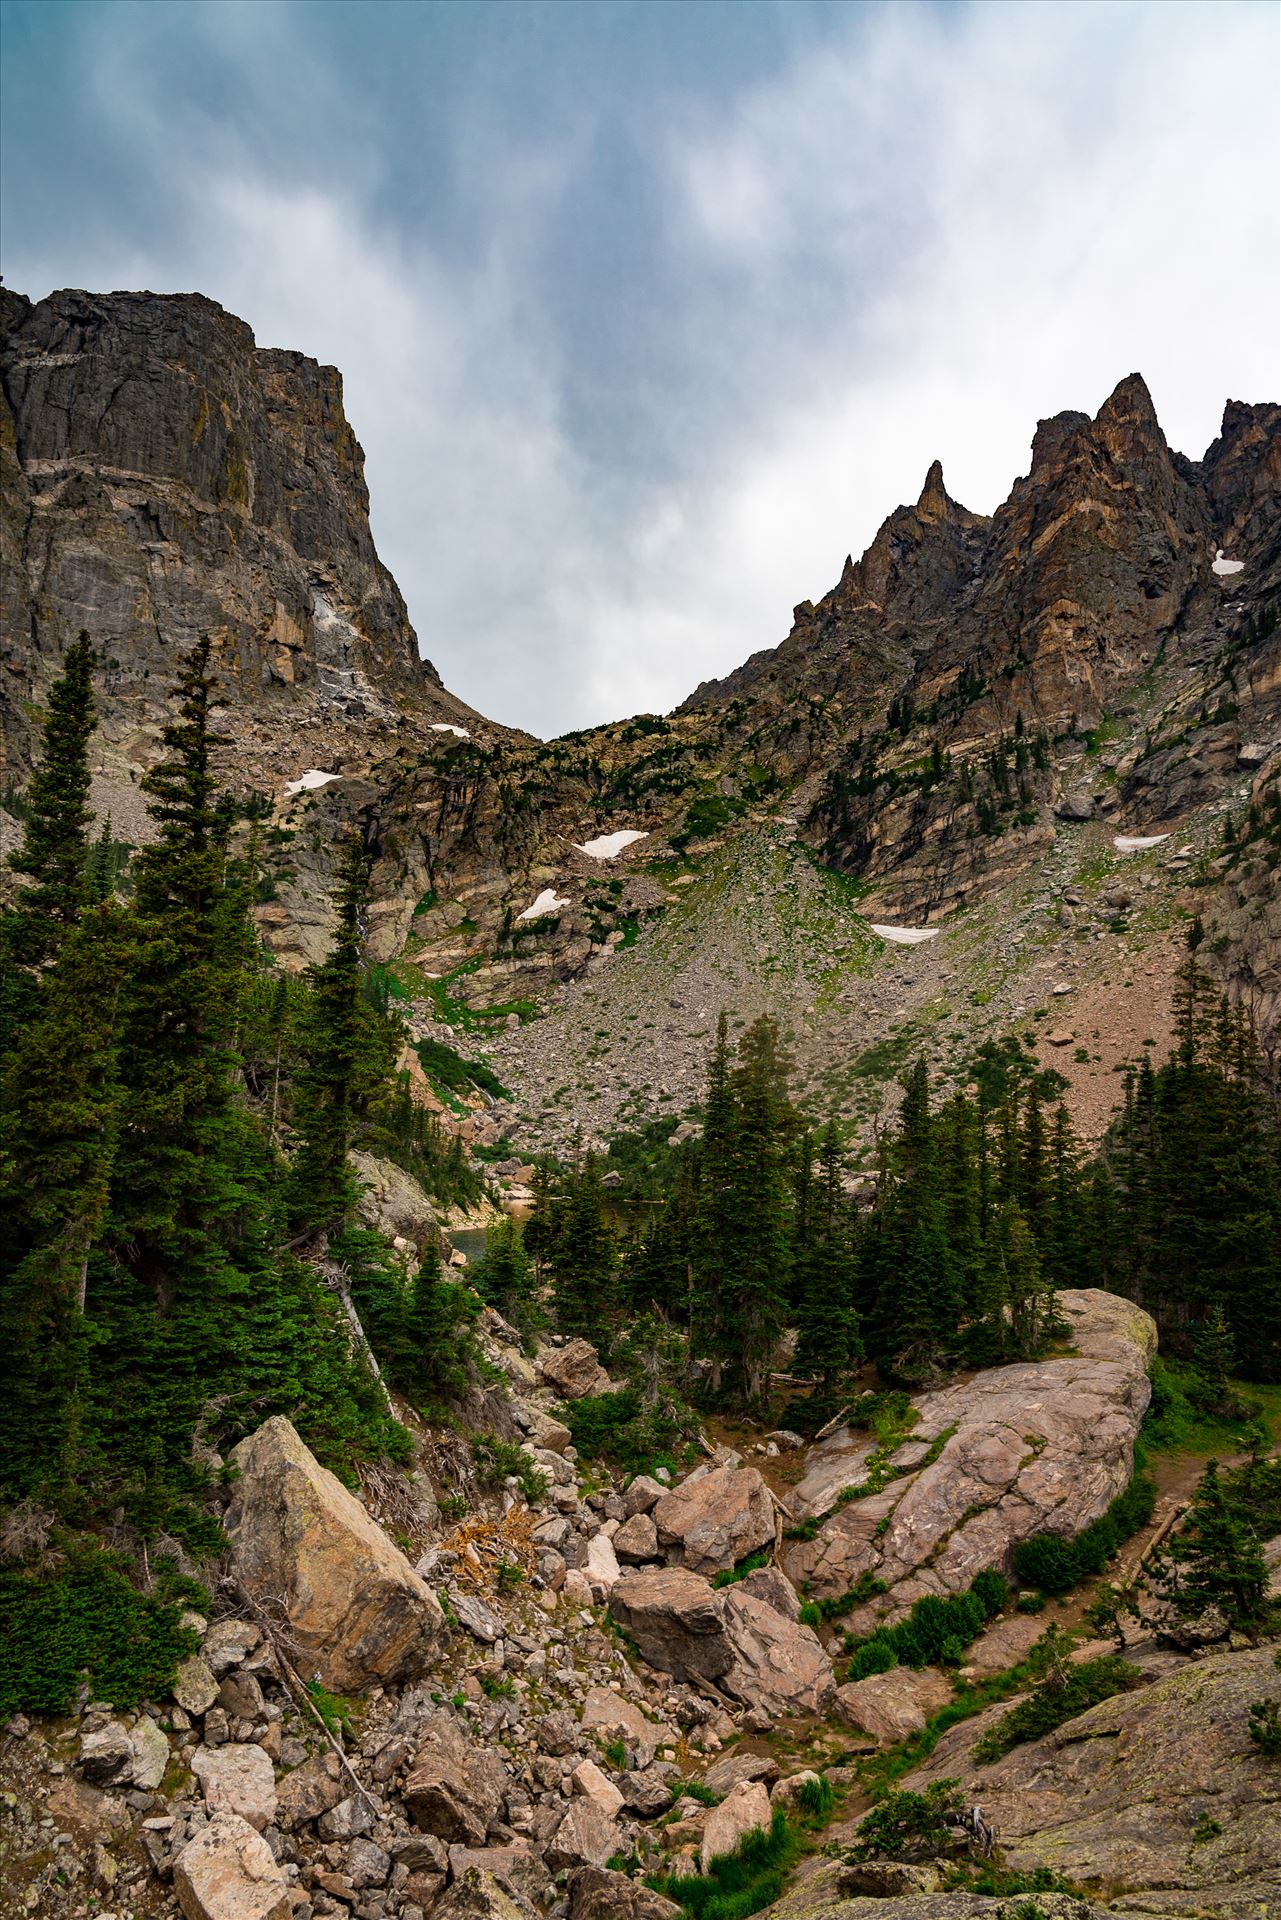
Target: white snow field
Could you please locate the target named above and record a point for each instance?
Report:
(1223, 566)
(1137, 842)
(446, 726)
(906, 936)
(310, 780)
(608, 845)
(547, 902)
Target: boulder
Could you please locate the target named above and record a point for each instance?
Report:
(237, 1778)
(480, 1621)
(194, 1686)
(517, 1868)
(592, 1784)
(601, 1565)
(455, 1790)
(647, 1791)
(778, 1665)
(611, 1715)
(637, 1539)
(676, 1619)
(150, 1753)
(480, 1895)
(310, 1790)
(586, 1837)
(1035, 1447)
(228, 1644)
(358, 1612)
(774, 1588)
(892, 1706)
(685, 1626)
(573, 1370)
(716, 1518)
(642, 1496)
(227, 1873)
(106, 1755)
(594, 1893)
(745, 1809)
(734, 1767)
(789, 1793)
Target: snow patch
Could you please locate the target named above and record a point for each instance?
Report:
(906, 936)
(547, 902)
(608, 845)
(310, 780)
(1223, 566)
(445, 726)
(1137, 842)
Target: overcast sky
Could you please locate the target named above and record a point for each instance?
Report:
(648, 313)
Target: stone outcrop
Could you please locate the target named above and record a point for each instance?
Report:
(454, 1789)
(237, 1777)
(354, 1604)
(228, 1873)
(1039, 1447)
(715, 1518)
(1156, 1789)
(893, 1706)
(594, 1893)
(573, 1370)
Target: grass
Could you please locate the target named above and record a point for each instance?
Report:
(1055, 1702)
(1185, 1418)
(732, 1575)
(739, 1883)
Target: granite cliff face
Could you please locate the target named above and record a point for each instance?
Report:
(164, 477)
(953, 737)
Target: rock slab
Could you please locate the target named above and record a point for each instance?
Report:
(227, 1873)
(360, 1613)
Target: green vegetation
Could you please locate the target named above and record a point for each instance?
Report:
(909, 1825)
(740, 1883)
(498, 1460)
(449, 1072)
(1054, 1565)
(1062, 1695)
(938, 1629)
(80, 1613)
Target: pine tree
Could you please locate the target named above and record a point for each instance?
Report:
(584, 1276)
(1216, 1558)
(60, 1112)
(56, 838)
(504, 1276)
(438, 1343)
(1214, 1350)
(755, 1248)
(323, 1189)
(709, 1338)
(174, 1181)
(907, 1264)
(828, 1341)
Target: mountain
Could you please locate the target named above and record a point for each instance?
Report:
(952, 738)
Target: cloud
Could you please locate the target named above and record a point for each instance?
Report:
(634, 364)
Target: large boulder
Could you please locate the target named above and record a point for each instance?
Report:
(892, 1706)
(715, 1518)
(613, 1716)
(227, 1873)
(586, 1837)
(685, 1626)
(778, 1665)
(454, 1789)
(676, 1618)
(594, 1893)
(357, 1611)
(574, 1370)
(1016, 1450)
(237, 1777)
(745, 1809)
(1156, 1789)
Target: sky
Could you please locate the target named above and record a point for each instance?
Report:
(649, 311)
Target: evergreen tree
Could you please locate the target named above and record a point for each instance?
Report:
(828, 1341)
(755, 1248)
(55, 842)
(438, 1342)
(585, 1264)
(907, 1266)
(1216, 1558)
(504, 1276)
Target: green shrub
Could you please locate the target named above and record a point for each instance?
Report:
(1265, 1728)
(1054, 1565)
(739, 1883)
(86, 1616)
(498, 1460)
(938, 1629)
(1060, 1697)
(908, 1824)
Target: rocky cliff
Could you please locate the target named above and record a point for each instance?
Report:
(957, 739)
(164, 477)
